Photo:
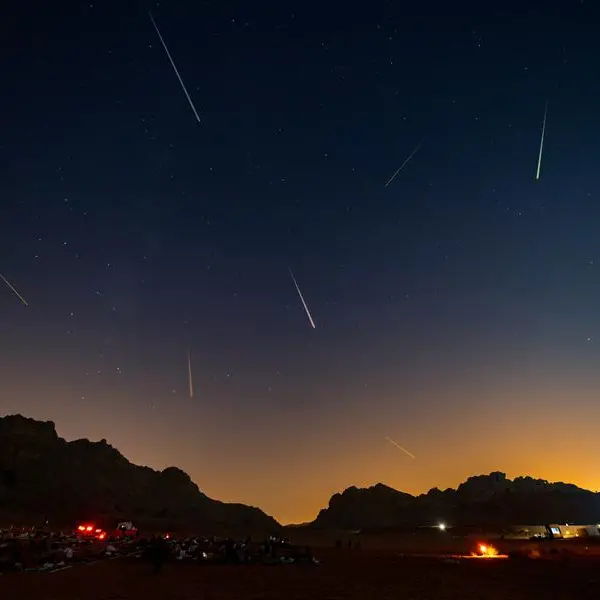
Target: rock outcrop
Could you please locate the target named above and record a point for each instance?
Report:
(482, 500)
(44, 476)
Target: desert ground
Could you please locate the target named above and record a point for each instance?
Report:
(342, 574)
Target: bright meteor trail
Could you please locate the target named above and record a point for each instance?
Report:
(8, 283)
(391, 441)
(160, 37)
(302, 298)
(406, 161)
(539, 165)
(190, 380)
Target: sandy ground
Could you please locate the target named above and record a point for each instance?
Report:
(345, 574)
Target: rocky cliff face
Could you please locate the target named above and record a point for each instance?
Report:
(481, 500)
(42, 475)
(358, 508)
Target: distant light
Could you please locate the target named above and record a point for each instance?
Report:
(442, 526)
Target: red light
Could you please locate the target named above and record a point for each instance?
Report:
(89, 528)
(81, 528)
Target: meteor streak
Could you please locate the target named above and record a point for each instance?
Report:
(8, 283)
(302, 298)
(190, 381)
(160, 37)
(391, 441)
(406, 161)
(539, 165)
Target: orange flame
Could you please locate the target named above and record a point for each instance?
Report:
(487, 550)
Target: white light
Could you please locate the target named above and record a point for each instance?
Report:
(442, 526)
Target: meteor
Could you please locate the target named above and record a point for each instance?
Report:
(302, 298)
(391, 441)
(406, 161)
(8, 283)
(160, 37)
(190, 381)
(539, 165)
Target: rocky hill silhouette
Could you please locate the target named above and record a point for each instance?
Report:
(42, 475)
(482, 500)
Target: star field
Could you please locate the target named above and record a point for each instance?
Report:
(456, 308)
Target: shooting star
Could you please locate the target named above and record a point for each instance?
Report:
(302, 298)
(190, 380)
(9, 284)
(391, 441)
(406, 161)
(160, 37)
(539, 165)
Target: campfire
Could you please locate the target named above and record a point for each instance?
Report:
(487, 551)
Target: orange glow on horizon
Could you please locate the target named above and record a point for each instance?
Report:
(318, 454)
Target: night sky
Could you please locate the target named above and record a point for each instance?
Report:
(457, 310)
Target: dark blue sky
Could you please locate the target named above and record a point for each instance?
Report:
(461, 299)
